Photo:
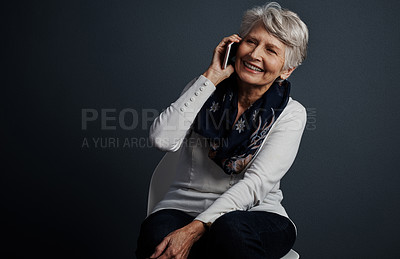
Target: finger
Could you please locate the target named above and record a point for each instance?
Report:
(163, 256)
(235, 37)
(166, 255)
(223, 42)
(226, 40)
(159, 249)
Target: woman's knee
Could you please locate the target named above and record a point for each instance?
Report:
(152, 230)
(227, 223)
(157, 226)
(230, 237)
(228, 228)
(149, 237)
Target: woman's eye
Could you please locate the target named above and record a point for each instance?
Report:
(251, 41)
(271, 51)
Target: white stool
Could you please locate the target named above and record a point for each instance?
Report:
(161, 180)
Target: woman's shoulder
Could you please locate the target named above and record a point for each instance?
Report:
(293, 109)
(294, 105)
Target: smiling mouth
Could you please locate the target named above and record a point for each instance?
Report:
(254, 68)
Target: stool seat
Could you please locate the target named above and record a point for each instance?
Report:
(291, 255)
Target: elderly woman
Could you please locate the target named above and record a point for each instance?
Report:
(238, 130)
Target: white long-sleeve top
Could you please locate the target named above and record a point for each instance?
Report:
(201, 188)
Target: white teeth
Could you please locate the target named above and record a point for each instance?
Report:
(252, 67)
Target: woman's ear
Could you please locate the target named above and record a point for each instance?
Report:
(287, 73)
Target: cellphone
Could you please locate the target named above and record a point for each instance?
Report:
(230, 54)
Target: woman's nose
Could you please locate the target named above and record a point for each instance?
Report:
(255, 53)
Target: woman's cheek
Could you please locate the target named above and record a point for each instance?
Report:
(272, 64)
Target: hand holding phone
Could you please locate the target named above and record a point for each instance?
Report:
(219, 69)
(230, 54)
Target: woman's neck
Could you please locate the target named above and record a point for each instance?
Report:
(248, 94)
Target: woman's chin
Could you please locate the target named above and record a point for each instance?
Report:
(249, 78)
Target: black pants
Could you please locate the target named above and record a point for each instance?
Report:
(238, 234)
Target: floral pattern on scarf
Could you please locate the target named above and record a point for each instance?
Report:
(232, 147)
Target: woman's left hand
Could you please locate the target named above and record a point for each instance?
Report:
(179, 242)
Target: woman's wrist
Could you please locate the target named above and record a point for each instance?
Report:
(213, 76)
(198, 228)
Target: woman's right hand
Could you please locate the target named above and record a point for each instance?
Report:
(178, 243)
(215, 73)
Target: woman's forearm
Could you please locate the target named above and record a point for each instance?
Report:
(171, 126)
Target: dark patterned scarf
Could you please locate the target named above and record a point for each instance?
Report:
(232, 147)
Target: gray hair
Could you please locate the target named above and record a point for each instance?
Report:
(285, 25)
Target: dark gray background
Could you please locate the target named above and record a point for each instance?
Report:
(62, 200)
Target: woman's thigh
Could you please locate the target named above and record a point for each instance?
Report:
(157, 226)
(251, 234)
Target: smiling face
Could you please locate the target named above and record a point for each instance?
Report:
(260, 59)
